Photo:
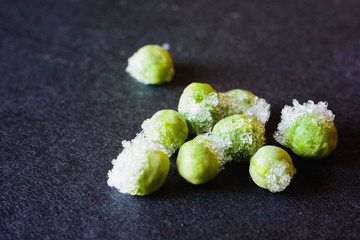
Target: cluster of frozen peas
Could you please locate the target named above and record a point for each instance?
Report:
(229, 127)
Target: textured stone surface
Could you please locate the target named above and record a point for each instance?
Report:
(67, 103)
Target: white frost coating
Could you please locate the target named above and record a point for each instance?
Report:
(244, 104)
(154, 131)
(200, 115)
(290, 115)
(250, 136)
(130, 164)
(135, 68)
(279, 176)
(218, 146)
(259, 109)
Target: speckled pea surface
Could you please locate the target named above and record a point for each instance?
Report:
(67, 103)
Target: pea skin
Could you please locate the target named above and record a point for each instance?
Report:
(197, 162)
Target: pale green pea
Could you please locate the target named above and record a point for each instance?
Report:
(272, 168)
(198, 105)
(197, 163)
(151, 64)
(311, 139)
(245, 133)
(168, 128)
(307, 129)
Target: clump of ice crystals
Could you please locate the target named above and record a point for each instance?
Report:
(201, 116)
(259, 109)
(130, 164)
(243, 104)
(279, 176)
(291, 114)
(218, 146)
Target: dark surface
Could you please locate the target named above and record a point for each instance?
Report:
(66, 105)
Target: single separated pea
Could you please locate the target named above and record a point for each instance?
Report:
(139, 172)
(197, 162)
(198, 105)
(308, 130)
(151, 64)
(245, 133)
(272, 168)
(168, 128)
(311, 139)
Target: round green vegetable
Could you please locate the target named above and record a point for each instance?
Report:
(239, 101)
(139, 170)
(308, 130)
(198, 105)
(166, 127)
(245, 133)
(151, 64)
(272, 168)
(197, 161)
(154, 175)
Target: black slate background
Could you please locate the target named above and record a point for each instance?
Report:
(66, 105)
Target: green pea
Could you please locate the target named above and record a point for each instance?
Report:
(166, 127)
(239, 101)
(151, 64)
(197, 161)
(138, 171)
(198, 105)
(272, 168)
(308, 130)
(154, 176)
(245, 133)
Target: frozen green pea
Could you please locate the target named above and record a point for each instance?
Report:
(308, 130)
(237, 101)
(197, 161)
(166, 127)
(272, 168)
(198, 105)
(139, 169)
(151, 64)
(240, 101)
(245, 133)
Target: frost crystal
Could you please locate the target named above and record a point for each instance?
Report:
(245, 133)
(279, 176)
(200, 115)
(259, 109)
(218, 146)
(290, 115)
(130, 164)
(156, 133)
(243, 104)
